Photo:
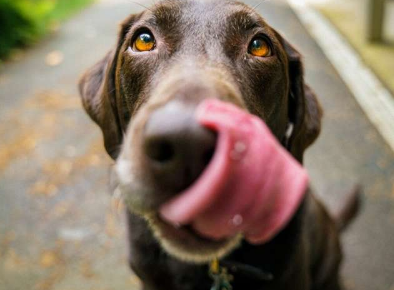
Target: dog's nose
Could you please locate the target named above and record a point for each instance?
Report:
(177, 149)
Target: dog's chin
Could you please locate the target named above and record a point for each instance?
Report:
(185, 244)
(182, 243)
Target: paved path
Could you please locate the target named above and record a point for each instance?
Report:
(57, 228)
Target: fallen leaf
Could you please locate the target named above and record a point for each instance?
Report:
(135, 281)
(12, 261)
(48, 282)
(42, 187)
(86, 270)
(49, 259)
(60, 209)
(111, 226)
(54, 58)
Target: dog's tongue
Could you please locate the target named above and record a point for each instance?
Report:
(252, 184)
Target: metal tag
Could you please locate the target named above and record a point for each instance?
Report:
(221, 279)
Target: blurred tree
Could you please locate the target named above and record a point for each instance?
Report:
(23, 21)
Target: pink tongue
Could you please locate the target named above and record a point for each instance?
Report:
(252, 185)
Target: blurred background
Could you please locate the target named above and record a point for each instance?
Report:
(59, 227)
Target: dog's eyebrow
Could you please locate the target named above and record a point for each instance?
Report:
(165, 15)
(243, 20)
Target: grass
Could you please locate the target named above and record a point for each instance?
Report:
(23, 22)
(65, 8)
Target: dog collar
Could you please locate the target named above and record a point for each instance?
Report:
(219, 272)
(287, 136)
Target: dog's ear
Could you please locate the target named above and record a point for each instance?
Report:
(305, 112)
(98, 93)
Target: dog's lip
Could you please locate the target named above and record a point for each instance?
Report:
(184, 231)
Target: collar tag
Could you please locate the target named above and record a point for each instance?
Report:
(221, 278)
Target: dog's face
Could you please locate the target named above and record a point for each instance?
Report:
(168, 59)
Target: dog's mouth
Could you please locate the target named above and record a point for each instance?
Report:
(180, 224)
(219, 201)
(236, 195)
(184, 243)
(204, 221)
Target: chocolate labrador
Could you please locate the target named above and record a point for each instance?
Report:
(143, 94)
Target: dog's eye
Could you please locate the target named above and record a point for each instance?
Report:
(144, 42)
(259, 47)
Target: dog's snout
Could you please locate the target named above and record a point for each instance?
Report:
(177, 149)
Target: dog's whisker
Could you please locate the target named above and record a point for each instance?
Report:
(258, 4)
(142, 5)
(112, 91)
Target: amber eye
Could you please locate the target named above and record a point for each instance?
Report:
(144, 42)
(260, 47)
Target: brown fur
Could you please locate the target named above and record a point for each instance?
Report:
(202, 52)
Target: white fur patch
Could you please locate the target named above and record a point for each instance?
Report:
(123, 170)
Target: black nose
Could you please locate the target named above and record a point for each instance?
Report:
(177, 148)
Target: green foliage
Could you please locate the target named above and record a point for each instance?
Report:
(23, 21)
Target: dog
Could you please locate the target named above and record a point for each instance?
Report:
(168, 60)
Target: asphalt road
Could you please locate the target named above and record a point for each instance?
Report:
(58, 229)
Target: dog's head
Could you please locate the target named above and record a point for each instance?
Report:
(168, 59)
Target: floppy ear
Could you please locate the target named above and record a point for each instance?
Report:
(305, 112)
(98, 93)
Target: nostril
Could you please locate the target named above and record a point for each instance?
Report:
(207, 156)
(160, 150)
(176, 149)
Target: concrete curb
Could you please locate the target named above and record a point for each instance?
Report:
(375, 100)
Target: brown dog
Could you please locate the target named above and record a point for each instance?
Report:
(143, 94)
